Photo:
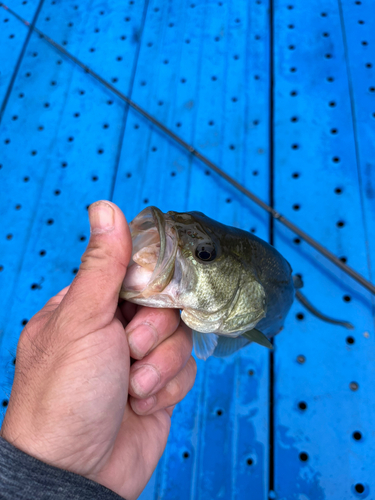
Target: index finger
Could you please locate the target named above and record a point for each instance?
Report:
(149, 327)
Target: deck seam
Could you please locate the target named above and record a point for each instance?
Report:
(19, 61)
(271, 458)
(130, 92)
(356, 145)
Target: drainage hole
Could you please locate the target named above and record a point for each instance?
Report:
(359, 488)
(357, 435)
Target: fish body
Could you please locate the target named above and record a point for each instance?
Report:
(225, 281)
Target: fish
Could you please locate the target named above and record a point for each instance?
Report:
(231, 287)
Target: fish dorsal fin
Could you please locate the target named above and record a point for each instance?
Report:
(256, 336)
(204, 344)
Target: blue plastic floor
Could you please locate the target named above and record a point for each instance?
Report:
(205, 69)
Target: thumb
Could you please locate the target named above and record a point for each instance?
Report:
(93, 295)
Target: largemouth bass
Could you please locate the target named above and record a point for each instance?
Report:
(224, 280)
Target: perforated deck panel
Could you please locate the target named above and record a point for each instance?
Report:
(282, 97)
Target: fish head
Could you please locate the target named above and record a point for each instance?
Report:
(191, 262)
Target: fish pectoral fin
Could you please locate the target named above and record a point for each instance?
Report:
(204, 344)
(229, 345)
(256, 336)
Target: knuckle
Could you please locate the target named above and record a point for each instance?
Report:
(181, 348)
(191, 368)
(187, 332)
(163, 319)
(181, 384)
(99, 251)
(187, 346)
(178, 356)
(142, 339)
(175, 316)
(192, 365)
(152, 330)
(174, 389)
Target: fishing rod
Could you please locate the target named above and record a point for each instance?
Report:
(274, 213)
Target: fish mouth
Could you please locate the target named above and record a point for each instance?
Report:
(152, 265)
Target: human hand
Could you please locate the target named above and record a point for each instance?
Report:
(76, 402)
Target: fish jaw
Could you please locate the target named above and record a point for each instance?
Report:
(155, 245)
(169, 297)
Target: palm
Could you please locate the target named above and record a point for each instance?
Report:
(103, 407)
(143, 439)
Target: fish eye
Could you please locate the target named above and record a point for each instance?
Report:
(205, 252)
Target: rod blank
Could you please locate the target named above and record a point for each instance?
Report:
(276, 215)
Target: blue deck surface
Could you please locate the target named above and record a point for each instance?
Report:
(280, 95)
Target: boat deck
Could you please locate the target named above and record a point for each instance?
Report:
(279, 95)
